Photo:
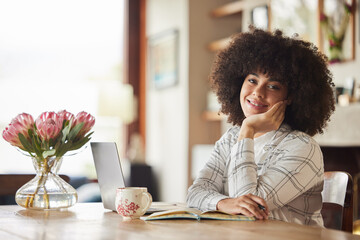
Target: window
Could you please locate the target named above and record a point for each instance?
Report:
(297, 16)
(58, 55)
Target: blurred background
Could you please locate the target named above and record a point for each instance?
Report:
(141, 68)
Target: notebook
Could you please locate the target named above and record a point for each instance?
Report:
(110, 176)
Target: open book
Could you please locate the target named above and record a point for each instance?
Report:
(192, 213)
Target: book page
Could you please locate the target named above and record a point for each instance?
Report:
(176, 213)
(225, 216)
(192, 213)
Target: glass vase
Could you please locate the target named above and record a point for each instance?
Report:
(46, 190)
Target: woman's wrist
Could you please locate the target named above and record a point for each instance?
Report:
(246, 132)
(219, 205)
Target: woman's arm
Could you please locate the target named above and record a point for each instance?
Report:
(207, 189)
(295, 166)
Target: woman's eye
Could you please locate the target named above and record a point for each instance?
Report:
(275, 87)
(252, 80)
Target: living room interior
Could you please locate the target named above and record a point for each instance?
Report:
(172, 121)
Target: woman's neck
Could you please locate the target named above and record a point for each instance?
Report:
(258, 134)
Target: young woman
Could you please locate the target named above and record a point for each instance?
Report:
(277, 92)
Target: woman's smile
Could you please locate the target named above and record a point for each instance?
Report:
(257, 104)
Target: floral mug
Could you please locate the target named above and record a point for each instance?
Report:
(132, 202)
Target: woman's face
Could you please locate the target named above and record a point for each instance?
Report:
(259, 93)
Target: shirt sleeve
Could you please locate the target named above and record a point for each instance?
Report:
(292, 168)
(207, 189)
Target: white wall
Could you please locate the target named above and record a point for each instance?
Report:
(167, 109)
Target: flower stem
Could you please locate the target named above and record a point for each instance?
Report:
(46, 198)
(41, 182)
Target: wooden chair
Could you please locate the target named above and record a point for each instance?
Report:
(337, 197)
(10, 183)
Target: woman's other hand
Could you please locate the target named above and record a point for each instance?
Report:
(247, 205)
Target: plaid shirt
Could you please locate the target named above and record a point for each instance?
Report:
(284, 167)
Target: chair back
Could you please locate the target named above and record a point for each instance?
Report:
(337, 197)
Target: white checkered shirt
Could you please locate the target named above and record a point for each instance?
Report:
(284, 167)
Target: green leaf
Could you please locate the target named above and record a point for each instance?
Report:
(30, 132)
(57, 145)
(37, 146)
(75, 131)
(80, 143)
(65, 122)
(89, 134)
(27, 146)
(36, 142)
(65, 132)
(45, 154)
(63, 148)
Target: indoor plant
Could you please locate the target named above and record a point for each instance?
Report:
(46, 140)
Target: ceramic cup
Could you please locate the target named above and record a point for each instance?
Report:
(132, 202)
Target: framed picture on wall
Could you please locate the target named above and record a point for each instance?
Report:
(337, 29)
(163, 59)
(329, 24)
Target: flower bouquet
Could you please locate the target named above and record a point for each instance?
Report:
(46, 140)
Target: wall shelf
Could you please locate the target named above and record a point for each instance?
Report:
(228, 9)
(232, 8)
(219, 44)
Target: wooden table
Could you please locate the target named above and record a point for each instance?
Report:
(91, 221)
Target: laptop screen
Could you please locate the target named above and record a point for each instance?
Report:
(108, 169)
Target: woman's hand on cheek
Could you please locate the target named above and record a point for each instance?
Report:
(264, 122)
(247, 205)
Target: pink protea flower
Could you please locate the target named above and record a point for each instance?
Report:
(48, 136)
(65, 115)
(87, 119)
(49, 125)
(20, 124)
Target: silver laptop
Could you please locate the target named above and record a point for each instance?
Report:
(110, 176)
(108, 169)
